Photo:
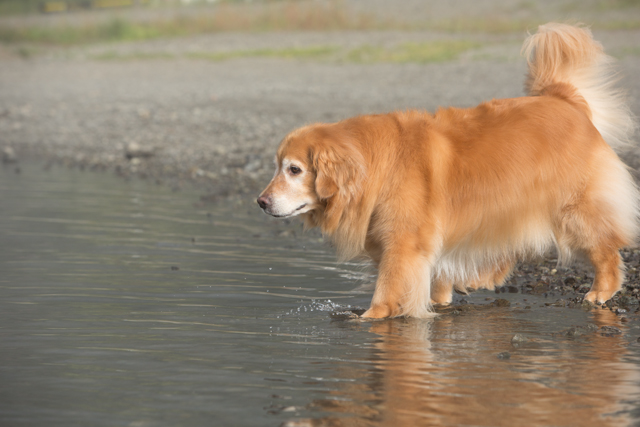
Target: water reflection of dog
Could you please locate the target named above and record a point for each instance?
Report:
(445, 372)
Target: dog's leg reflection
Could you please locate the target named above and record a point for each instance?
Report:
(432, 368)
(444, 371)
(407, 364)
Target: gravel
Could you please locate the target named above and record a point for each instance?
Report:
(217, 124)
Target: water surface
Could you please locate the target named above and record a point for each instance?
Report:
(126, 304)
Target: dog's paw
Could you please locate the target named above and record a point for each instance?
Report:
(599, 296)
(381, 311)
(441, 298)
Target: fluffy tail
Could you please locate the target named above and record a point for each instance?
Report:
(561, 53)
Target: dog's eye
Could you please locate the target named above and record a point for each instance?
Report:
(294, 170)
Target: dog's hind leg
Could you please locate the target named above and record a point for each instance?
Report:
(593, 236)
(492, 277)
(609, 273)
(601, 220)
(441, 291)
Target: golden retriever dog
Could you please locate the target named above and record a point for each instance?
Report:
(453, 200)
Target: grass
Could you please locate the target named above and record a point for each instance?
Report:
(116, 56)
(632, 24)
(27, 52)
(310, 52)
(287, 15)
(116, 29)
(626, 51)
(14, 7)
(482, 25)
(25, 7)
(283, 15)
(227, 16)
(435, 51)
(618, 4)
(120, 29)
(505, 25)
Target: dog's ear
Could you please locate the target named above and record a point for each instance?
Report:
(340, 169)
(325, 187)
(325, 166)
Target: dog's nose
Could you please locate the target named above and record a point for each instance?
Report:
(263, 201)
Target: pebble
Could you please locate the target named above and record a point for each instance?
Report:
(585, 304)
(540, 288)
(136, 151)
(574, 332)
(501, 303)
(351, 314)
(609, 331)
(9, 155)
(287, 233)
(577, 331)
(299, 423)
(519, 339)
(504, 355)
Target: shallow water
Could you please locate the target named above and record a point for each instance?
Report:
(124, 304)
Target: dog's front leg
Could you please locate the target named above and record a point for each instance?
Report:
(403, 286)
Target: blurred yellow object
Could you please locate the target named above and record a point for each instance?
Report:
(54, 6)
(104, 4)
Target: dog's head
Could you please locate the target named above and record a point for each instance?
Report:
(317, 167)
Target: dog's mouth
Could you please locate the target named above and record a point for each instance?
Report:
(298, 209)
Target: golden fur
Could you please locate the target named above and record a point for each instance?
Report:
(454, 199)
